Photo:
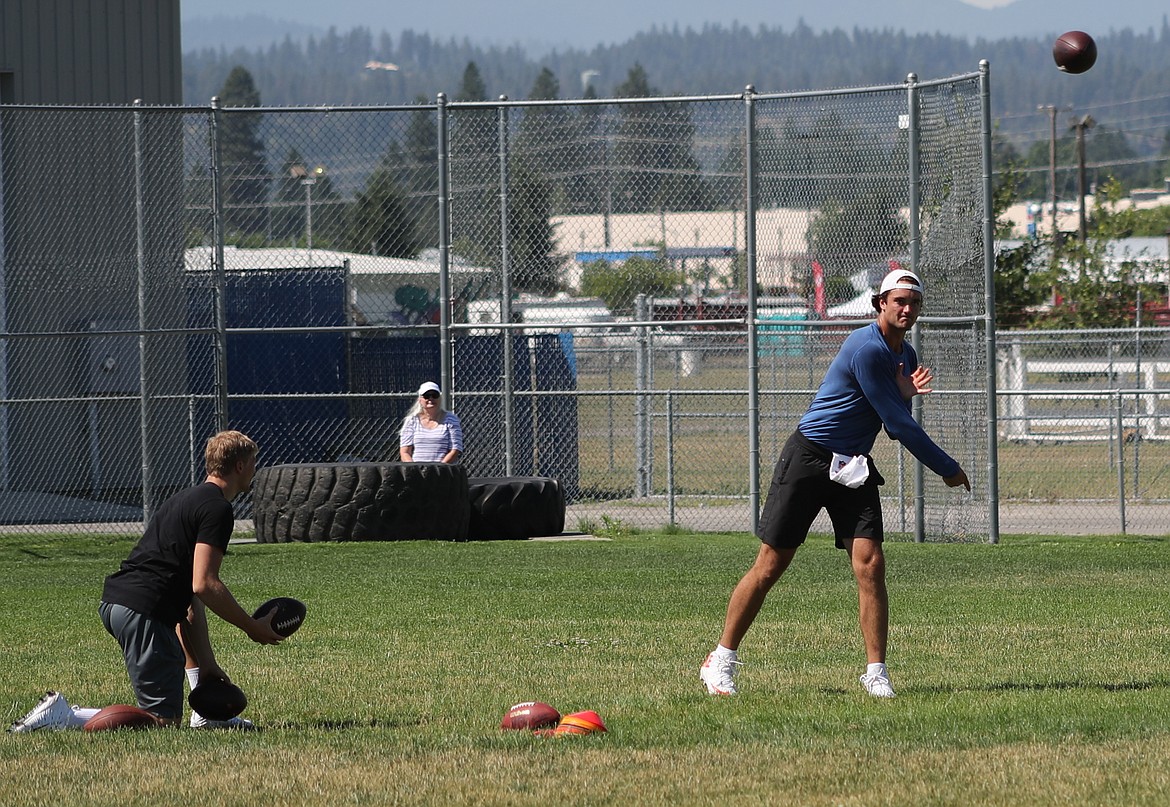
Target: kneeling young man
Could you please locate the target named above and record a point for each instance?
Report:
(154, 605)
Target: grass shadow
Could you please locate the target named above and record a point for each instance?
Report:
(342, 725)
(1047, 686)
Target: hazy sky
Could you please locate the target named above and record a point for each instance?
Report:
(541, 24)
(345, 13)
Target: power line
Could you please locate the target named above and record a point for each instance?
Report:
(1030, 113)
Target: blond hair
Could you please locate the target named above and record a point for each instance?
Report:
(225, 449)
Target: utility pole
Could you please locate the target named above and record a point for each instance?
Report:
(1052, 109)
(1080, 126)
(1052, 165)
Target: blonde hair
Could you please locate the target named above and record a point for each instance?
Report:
(225, 449)
(416, 410)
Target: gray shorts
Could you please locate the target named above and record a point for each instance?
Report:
(154, 659)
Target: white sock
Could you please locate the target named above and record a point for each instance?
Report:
(877, 668)
(726, 653)
(193, 681)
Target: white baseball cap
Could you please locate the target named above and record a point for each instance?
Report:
(901, 279)
(429, 386)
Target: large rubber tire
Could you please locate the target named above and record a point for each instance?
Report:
(515, 507)
(360, 501)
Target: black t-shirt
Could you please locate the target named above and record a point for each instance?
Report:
(155, 579)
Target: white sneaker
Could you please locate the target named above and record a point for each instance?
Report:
(718, 673)
(878, 685)
(198, 721)
(51, 712)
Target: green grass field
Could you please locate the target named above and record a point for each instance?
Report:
(1033, 672)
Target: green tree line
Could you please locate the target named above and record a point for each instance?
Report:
(647, 162)
(331, 69)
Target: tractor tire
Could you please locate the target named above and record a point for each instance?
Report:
(360, 501)
(515, 507)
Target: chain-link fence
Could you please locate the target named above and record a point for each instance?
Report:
(637, 297)
(1084, 425)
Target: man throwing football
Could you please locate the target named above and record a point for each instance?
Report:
(826, 464)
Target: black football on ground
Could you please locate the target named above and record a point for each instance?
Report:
(290, 614)
(121, 716)
(217, 699)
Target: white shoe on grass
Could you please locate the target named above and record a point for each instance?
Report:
(718, 674)
(198, 721)
(878, 685)
(51, 712)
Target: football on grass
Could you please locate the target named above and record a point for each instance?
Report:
(121, 716)
(530, 715)
(290, 614)
(217, 699)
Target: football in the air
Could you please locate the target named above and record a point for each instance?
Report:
(587, 722)
(1074, 51)
(530, 715)
(290, 614)
(217, 699)
(121, 716)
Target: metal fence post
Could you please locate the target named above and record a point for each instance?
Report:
(1114, 412)
(1137, 399)
(753, 357)
(1120, 437)
(648, 416)
(609, 359)
(218, 278)
(641, 463)
(506, 292)
(914, 156)
(445, 362)
(192, 441)
(140, 260)
(989, 304)
(670, 455)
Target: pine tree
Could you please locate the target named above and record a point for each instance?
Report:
(472, 88)
(243, 161)
(475, 190)
(418, 174)
(534, 265)
(378, 222)
(549, 139)
(655, 168)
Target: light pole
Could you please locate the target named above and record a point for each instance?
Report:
(308, 179)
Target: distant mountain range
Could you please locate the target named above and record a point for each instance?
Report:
(539, 26)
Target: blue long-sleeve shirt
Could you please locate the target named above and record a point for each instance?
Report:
(859, 395)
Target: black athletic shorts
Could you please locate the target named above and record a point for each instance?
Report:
(801, 487)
